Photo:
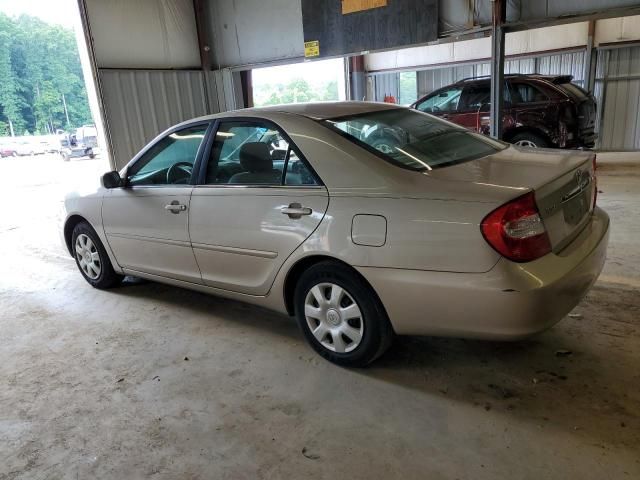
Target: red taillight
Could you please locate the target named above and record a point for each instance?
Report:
(515, 230)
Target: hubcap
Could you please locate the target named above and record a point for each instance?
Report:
(526, 143)
(334, 317)
(88, 257)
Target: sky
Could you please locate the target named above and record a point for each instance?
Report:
(61, 12)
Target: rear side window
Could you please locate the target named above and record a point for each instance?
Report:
(255, 153)
(527, 93)
(297, 171)
(444, 101)
(574, 90)
(474, 97)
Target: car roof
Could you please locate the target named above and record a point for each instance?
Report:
(324, 110)
(557, 79)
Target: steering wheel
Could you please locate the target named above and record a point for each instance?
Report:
(179, 172)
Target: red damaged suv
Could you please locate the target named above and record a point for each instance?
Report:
(539, 110)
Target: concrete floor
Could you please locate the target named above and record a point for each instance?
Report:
(153, 381)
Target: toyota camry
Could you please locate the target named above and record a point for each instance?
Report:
(362, 220)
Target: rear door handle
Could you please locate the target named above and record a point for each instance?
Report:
(295, 210)
(175, 207)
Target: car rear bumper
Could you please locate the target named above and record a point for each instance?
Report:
(510, 302)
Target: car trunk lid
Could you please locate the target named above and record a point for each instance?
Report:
(563, 183)
(566, 203)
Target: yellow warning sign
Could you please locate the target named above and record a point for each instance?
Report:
(351, 6)
(312, 49)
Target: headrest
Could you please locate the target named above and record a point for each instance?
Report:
(255, 157)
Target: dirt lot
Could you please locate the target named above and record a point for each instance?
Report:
(153, 381)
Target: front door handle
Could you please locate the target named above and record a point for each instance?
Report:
(295, 210)
(175, 207)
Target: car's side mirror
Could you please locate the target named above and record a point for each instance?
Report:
(112, 180)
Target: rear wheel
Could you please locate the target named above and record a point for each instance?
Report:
(341, 316)
(92, 259)
(531, 140)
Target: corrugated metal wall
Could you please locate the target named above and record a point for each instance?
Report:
(142, 103)
(617, 89)
(387, 84)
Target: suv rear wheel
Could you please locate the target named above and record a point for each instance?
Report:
(531, 140)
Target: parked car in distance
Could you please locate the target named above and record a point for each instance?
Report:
(301, 209)
(39, 147)
(24, 148)
(539, 111)
(50, 144)
(8, 150)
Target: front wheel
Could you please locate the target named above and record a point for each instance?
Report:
(92, 259)
(341, 316)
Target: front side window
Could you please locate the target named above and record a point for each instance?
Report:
(170, 161)
(412, 140)
(443, 101)
(254, 153)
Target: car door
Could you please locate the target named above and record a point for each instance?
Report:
(530, 103)
(474, 97)
(147, 221)
(256, 202)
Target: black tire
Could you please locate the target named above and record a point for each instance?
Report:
(535, 140)
(377, 333)
(107, 277)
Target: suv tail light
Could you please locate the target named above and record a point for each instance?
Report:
(515, 230)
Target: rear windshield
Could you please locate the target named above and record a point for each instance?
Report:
(412, 139)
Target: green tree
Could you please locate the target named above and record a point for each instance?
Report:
(11, 103)
(408, 88)
(330, 91)
(40, 71)
(297, 90)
